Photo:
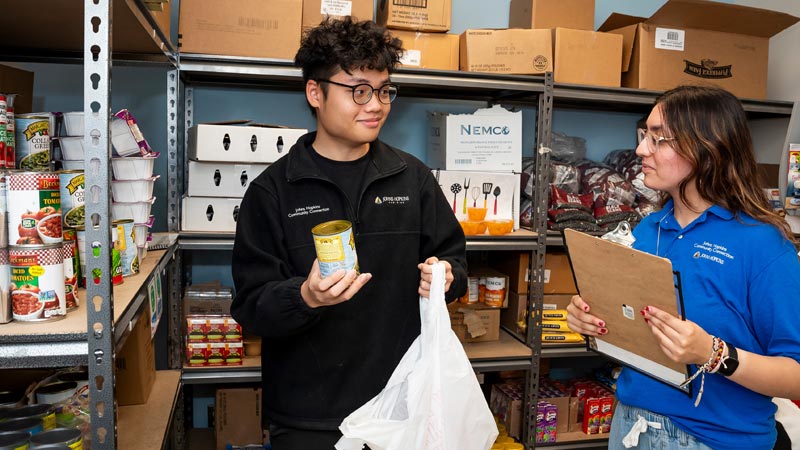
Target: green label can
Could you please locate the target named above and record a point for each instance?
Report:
(33, 142)
(336, 246)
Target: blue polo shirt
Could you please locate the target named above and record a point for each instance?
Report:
(741, 281)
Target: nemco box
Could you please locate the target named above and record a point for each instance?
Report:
(699, 42)
(489, 139)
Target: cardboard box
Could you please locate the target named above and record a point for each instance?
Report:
(699, 42)
(252, 28)
(238, 417)
(20, 82)
(487, 183)
(516, 265)
(249, 144)
(587, 57)
(505, 401)
(516, 312)
(136, 365)
(415, 15)
(558, 277)
(556, 301)
(490, 139)
(209, 214)
(515, 51)
(214, 179)
(575, 14)
(428, 50)
(315, 11)
(489, 317)
(163, 18)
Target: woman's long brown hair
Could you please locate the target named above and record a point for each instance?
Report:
(710, 129)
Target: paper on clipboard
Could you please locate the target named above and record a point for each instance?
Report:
(618, 282)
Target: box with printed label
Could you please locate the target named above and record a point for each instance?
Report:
(490, 139)
(558, 277)
(252, 28)
(416, 15)
(575, 14)
(314, 11)
(240, 143)
(497, 193)
(514, 51)
(699, 42)
(428, 50)
(487, 321)
(237, 417)
(587, 57)
(209, 214)
(214, 179)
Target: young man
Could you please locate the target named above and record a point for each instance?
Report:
(331, 343)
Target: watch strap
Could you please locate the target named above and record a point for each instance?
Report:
(730, 363)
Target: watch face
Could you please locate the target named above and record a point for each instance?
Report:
(731, 363)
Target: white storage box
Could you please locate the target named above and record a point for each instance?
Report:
(133, 168)
(71, 147)
(213, 179)
(132, 190)
(209, 214)
(490, 139)
(138, 211)
(497, 192)
(73, 123)
(229, 143)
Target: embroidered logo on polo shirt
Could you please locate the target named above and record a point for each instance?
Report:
(712, 252)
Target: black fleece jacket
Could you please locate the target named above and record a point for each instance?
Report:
(321, 364)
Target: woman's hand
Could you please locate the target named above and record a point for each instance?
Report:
(683, 341)
(426, 276)
(580, 321)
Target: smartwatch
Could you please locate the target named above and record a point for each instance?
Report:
(730, 363)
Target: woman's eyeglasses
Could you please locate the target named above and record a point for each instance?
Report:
(652, 141)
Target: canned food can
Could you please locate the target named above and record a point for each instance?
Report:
(116, 266)
(3, 210)
(72, 185)
(9, 157)
(33, 142)
(126, 244)
(9, 399)
(44, 412)
(3, 127)
(71, 437)
(14, 440)
(495, 294)
(31, 425)
(5, 281)
(34, 208)
(53, 447)
(37, 282)
(55, 392)
(71, 269)
(336, 246)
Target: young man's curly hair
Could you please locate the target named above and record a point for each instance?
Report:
(347, 45)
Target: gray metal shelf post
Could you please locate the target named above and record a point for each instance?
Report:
(99, 294)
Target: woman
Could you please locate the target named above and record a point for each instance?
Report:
(740, 279)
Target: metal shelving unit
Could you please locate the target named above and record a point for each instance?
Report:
(76, 33)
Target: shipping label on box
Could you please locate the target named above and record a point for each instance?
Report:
(252, 144)
(209, 214)
(252, 28)
(428, 50)
(314, 11)
(212, 179)
(417, 15)
(514, 51)
(489, 139)
(497, 192)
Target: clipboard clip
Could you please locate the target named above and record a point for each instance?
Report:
(622, 234)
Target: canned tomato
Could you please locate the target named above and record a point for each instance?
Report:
(71, 185)
(5, 281)
(33, 142)
(37, 282)
(336, 246)
(71, 269)
(3, 210)
(14, 440)
(3, 126)
(495, 294)
(126, 244)
(71, 437)
(9, 157)
(34, 208)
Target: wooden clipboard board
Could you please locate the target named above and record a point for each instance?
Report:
(618, 282)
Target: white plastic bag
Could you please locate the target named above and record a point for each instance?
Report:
(432, 401)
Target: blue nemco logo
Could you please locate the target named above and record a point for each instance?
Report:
(483, 130)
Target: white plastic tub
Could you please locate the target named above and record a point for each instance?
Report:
(133, 168)
(141, 232)
(78, 164)
(132, 190)
(138, 211)
(72, 148)
(73, 123)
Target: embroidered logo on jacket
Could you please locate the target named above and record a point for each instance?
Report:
(392, 200)
(308, 210)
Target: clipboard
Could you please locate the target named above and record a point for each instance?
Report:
(618, 282)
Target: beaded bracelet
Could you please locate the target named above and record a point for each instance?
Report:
(711, 366)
